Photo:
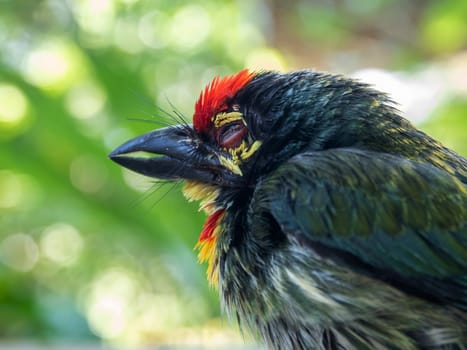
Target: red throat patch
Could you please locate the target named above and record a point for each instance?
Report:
(215, 96)
(207, 244)
(210, 225)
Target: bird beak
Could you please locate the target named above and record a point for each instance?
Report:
(175, 155)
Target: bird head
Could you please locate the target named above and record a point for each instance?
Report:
(247, 124)
(212, 150)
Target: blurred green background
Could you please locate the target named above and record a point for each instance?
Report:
(90, 252)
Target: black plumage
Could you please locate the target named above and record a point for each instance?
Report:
(334, 223)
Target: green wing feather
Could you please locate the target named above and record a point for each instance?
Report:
(399, 217)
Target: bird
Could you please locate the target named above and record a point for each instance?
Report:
(332, 222)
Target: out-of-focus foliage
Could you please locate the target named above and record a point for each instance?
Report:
(88, 250)
(449, 124)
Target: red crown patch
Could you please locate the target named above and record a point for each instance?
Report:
(215, 96)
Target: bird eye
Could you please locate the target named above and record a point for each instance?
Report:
(231, 135)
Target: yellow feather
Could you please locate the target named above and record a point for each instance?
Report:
(207, 249)
(195, 190)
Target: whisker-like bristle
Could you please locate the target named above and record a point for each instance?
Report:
(180, 117)
(155, 187)
(171, 188)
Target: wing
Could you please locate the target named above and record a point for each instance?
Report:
(392, 218)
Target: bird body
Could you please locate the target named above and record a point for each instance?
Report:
(332, 223)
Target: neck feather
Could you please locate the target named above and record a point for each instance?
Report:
(207, 243)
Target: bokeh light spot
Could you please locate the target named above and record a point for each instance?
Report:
(95, 16)
(162, 311)
(85, 100)
(110, 297)
(265, 58)
(53, 66)
(129, 2)
(190, 27)
(46, 67)
(19, 252)
(126, 36)
(11, 189)
(17, 190)
(120, 307)
(152, 28)
(62, 244)
(13, 105)
(445, 32)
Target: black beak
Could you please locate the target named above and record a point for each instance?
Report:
(177, 156)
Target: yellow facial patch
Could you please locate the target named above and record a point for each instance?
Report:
(240, 153)
(225, 118)
(243, 152)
